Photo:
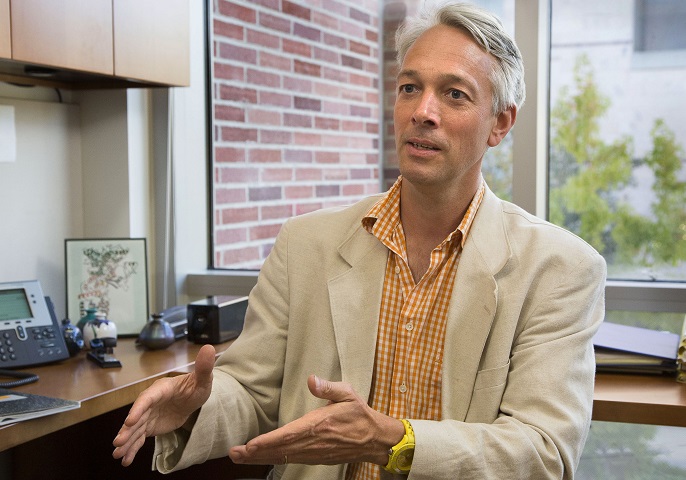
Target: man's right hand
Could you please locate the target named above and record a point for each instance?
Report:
(165, 406)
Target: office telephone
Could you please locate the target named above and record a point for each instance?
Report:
(29, 331)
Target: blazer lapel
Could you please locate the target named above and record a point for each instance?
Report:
(355, 295)
(473, 305)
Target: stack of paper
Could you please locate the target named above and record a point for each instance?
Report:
(624, 349)
(681, 356)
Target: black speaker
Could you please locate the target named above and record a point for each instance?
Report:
(216, 319)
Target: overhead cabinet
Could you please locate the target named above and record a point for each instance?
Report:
(99, 41)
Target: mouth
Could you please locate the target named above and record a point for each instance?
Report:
(423, 146)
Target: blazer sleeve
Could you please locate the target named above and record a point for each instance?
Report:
(247, 376)
(547, 397)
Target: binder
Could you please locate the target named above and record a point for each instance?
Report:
(18, 406)
(626, 349)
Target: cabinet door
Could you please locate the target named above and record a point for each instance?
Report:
(5, 37)
(73, 34)
(151, 40)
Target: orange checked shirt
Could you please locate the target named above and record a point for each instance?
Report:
(412, 320)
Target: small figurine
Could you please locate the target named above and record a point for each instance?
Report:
(73, 337)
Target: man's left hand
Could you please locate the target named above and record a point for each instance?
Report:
(346, 430)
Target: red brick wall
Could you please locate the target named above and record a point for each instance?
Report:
(296, 95)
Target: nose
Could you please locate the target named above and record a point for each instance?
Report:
(426, 112)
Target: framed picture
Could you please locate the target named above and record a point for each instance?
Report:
(110, 275)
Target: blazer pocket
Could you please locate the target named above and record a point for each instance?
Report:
(487, 395)
(491, 377)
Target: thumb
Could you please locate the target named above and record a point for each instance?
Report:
(204, 363)
(334, 392)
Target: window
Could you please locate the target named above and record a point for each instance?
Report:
(660, 25)
(295, 96)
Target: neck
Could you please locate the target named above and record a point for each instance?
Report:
(434, 214)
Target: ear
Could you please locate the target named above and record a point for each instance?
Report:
(503, 123)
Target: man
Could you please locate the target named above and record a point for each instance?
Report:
(434, 331)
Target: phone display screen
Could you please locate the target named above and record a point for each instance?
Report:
(14, 305)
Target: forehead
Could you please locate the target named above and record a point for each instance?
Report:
(448, 51)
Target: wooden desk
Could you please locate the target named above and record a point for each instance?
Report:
(639, 399)
(81, 440)
(100, 390)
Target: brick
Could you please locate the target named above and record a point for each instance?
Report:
(275, 137)
(256, 194)
(298, 156)
(277, 174)
(278, 62)
(352, 126)
(239, 255)
(306, 68)
(358, 47)
(270, 212)
(303, 103)
(276, 99)
(335, 7)
(360, 16)
(296, 48)
(324, 123)
(238, 175)
(325, 20)
(229, 195)
(298, 191)
(238, 12)
(273, 4)
(229, 113)
(335, 74)
(307, 138)
(353, 62)
(273, 22)
(264, 117)
(308, 174)
(237, 94)
(354, 189)
(236, 134)
(301, 209)
(335, 174)
(305, 31)
(295, 120)
(301, 85)
(295, 10)
(335, 40)
(358, 111)
(228, 30)
(264, 39)
(240, 54)
(261, 232)
(240, 214)
(228, 72)
(260, 77)
(229, 155)
(326, 157)
(230, 235)
(263, 155)
(328, 190)
(326, 55)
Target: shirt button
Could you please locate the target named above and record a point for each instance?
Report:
(409, 326)
(403, 388)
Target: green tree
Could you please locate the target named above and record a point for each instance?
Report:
(588, 175)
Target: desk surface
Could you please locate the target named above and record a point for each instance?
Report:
(617, 398)
(99, 390)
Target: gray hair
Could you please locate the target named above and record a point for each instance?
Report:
(507, 75)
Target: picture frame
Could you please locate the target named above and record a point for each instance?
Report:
(110, 274)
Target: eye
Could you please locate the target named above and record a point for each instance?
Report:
(456, 94)
(407, 88)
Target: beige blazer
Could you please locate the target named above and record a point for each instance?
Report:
(518, 363)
